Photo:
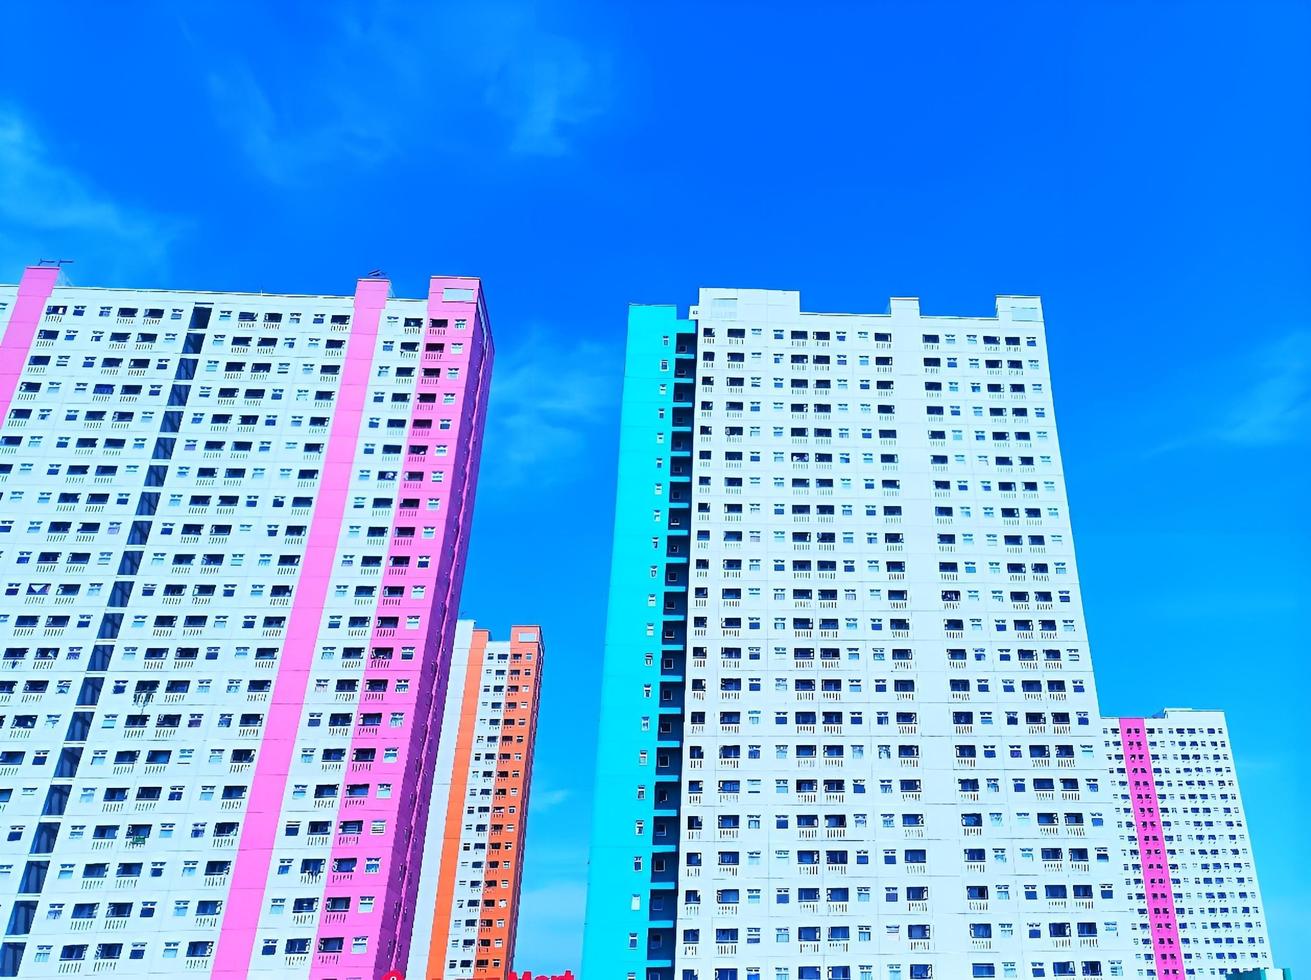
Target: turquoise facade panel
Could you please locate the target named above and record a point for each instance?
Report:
(620, 913)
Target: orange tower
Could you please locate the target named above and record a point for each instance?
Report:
(477, 820)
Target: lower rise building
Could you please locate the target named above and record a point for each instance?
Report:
(468, 897)
(1189, 872)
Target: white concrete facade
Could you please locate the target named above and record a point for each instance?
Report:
(892, 765)
(438, 831)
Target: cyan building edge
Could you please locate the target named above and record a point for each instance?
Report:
(644, 438)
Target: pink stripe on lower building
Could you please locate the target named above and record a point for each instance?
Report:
(269, 788)
(1158, 886)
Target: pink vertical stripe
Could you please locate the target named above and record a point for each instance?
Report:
(466, 469)
(406, 811)
(268, 789)
(1153, 858)
(34, 290)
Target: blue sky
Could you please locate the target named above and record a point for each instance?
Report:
(1141, 166)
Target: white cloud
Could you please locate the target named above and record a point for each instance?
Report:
(396, 79)
(284, 146)
(1249, 765)
(49, 211)
(550, 402)
(1276, 405)
(546, 96)
(1272, 405)
(544, 799)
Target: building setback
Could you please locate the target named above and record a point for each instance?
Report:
(1189, 872)
(468, 896)
(849, 729)
(232, 537)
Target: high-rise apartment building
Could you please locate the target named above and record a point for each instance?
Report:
(1189, 872)
(468, 896)
(232, 537)
(849, 729)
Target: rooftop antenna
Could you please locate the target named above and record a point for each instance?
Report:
(58, 264)
(379, 274)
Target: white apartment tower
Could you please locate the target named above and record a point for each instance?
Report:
(233, 531)
(849, 726)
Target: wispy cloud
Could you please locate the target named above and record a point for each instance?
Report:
(1272, 405)
(48, 210)
(547, 96)
(552, 402)
(1250, 765)
(285, 144)
(477, 77)
(546, 798)
(1276, 408)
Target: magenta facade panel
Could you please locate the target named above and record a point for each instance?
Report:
(29, 305)
(1154, 861)
(249, 516)
(436, 608)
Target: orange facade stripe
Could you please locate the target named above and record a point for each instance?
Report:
(450, 861)
(497, 928)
